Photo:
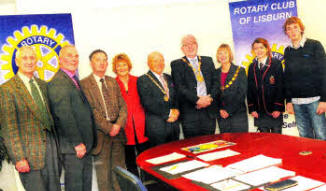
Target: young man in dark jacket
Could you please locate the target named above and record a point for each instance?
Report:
(305, 80)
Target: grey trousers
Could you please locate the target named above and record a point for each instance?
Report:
(78, 172)
(48, 178)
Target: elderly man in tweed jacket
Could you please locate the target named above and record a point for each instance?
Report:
(27, 126)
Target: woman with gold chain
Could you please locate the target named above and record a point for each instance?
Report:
(232, 81)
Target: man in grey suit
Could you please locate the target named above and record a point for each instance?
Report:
(74, 122)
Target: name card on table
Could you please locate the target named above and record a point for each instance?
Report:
(217, 155)
(166, 158)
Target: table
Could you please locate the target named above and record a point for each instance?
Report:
(249, 145)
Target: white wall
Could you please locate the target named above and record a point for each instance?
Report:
(137, 30)
(139, 27)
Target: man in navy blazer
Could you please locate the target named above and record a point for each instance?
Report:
(158, 97)
(194, 77)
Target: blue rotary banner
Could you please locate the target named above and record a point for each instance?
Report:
(262, 18)
(47, 33)
(259, 18)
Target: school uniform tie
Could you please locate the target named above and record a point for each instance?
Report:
(261, 66)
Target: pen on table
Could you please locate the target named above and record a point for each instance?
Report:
(173, 167)
(192, 157)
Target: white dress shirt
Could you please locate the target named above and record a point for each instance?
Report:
(26, 80)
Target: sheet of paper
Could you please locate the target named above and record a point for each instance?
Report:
(217, 155)
(255, 163)
(166, 158)
(211, 174)
(264, 176)
(183, 167)
(230, 185)
(322, 188)
(304, 184)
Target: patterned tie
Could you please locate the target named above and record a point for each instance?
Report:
(166, 88)
(105, 92)
(39, 102)
(201, 85)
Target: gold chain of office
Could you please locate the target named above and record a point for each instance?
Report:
(198, 74)
(232, 80)
(166, 97)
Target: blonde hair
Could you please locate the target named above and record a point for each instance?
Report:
(227, 48)
(118, 58)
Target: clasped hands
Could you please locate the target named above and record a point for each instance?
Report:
(22, 166)
(204, 101)
(80, 150)
(174, 115)
(275, 114)
(114, 130)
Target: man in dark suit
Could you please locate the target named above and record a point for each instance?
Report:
(27, 126)
(158, 97)
(73, 121)
(110, 112)
(194, 78)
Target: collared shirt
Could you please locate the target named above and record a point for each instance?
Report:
(263, 62)
(99, 85)
(301, 44)
(193, 60)
(307, 100)
(26, 80)
(71, 76)
(158, 77)
(201, 86)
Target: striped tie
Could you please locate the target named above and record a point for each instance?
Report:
(166, 88)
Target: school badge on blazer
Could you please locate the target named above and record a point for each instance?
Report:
(272, 80)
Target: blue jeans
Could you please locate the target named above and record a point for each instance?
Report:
(309, 123)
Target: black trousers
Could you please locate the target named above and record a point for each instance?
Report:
(48, 178)
(131, 152)
(197, 124)
(78, 172)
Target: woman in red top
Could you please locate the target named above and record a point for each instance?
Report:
(137, 142)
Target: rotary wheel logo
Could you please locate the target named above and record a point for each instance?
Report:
(276, 52)
(46, 44)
